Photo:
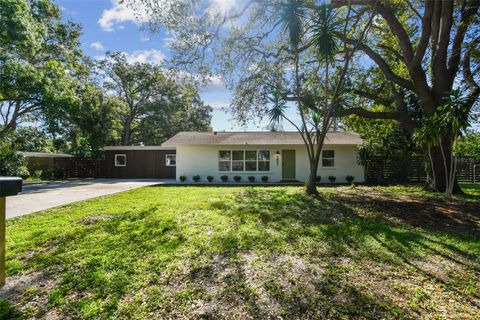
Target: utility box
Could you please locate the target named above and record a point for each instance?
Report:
(9, 186)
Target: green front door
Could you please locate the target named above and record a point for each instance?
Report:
(288, 164)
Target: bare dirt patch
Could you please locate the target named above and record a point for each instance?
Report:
(29, 292)
(90, 220)
(418, 211)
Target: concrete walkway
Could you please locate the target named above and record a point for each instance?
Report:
(37, 197)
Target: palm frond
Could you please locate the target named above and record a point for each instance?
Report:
(279, 106)
(324, 29)
(292, 14)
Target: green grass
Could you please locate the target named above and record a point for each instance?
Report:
(235, 252)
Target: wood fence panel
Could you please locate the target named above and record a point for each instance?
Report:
(68, 168)
(383, 171)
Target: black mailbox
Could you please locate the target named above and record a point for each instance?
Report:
(10, 186)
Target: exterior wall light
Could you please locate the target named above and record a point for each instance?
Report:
(277, 157)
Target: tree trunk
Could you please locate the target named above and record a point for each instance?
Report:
(311, 187)
(442, 169)
(126, 134)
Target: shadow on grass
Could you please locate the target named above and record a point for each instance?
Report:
(472, 191)
(290, 222)
(257, 253)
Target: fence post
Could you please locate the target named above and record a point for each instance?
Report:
(9, 186)
(475, 166)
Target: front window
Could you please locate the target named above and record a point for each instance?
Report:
(263, 160)
(328, 158)
(120, 160)
(244, 160)
(237, 160)
(171, 160)
(224, 161)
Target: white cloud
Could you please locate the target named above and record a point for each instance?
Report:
(145, 56)
(152, 56)
(97, 45)
(215, 82)
(223, 6)
(120, 12)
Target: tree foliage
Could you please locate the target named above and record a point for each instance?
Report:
(152, 105)
(424, 48)
(469, 145)
(40, 62)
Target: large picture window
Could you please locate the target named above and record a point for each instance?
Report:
(328, 158)
(243, 160)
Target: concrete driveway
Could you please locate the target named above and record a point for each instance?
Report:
(37, 197)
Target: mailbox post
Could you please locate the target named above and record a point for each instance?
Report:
(9, 186)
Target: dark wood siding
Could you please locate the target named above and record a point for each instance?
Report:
(140, 164)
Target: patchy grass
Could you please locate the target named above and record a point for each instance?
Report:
(248, 252)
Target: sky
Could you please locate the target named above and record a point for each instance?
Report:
(110, 26)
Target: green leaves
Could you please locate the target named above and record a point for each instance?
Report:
(279, 106)
(325, 25)
(152, 106)
(292, 15)
(450, 118)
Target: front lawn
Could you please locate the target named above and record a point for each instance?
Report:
(248, 252)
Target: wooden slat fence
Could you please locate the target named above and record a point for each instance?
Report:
(68, 168)
(380, 171)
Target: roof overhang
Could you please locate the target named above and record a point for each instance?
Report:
(139, 148)
(28, 154)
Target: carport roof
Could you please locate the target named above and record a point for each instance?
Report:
(28, 154)
(256, 138)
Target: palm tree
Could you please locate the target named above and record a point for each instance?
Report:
(316, 115)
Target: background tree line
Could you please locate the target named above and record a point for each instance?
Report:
(55, 99)
(417, 64)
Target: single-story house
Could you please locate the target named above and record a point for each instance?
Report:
(140, 162)
(282, 156)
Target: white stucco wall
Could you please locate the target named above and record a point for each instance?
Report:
(203, 160)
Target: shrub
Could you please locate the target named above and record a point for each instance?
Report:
(264, 178)
(183, 178)
(209, 178)
(224, 178)
(318, 178)
(37, 174)
(332, 179)
(237, 178)
(48, 174)
(196, 178)
(251, 178)
(349, 179)
(12, 163)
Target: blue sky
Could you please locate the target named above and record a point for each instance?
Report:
(110, 26)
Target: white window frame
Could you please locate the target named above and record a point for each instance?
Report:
(167, 162)
(329, 167)
(231, 161)
(122, 155)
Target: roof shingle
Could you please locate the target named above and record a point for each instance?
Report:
(256, 138)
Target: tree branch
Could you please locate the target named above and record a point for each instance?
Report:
(426, 32)
(465, 21)
(392, 21)
(469, 79)
(382, 64)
